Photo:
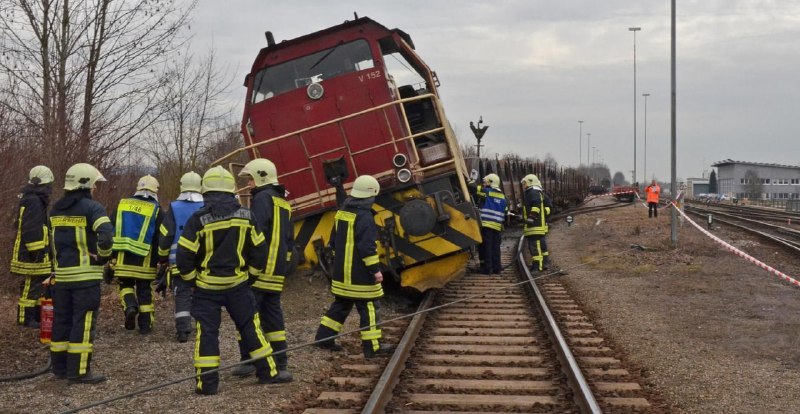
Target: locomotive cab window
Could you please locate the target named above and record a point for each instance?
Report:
(298, 73)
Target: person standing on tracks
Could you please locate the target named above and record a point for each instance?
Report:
(356, 275)
(136, 246)
(536, 208)
(219, 250)
(493, 208)
(653, 191)
(31, 252)
(82, 237)
(273, 216)
(189, 201)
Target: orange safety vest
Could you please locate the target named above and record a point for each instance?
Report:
(652, 193)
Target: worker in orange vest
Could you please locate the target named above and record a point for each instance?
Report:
(653, 190)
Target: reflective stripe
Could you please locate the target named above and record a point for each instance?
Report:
(356, 291)
(182, 314)
(37, 245)
(135, 227)
(278, 204)
(100, 221)
(192, 246)
(146, 308)
(330, 323)
(276, 336)
(124, 292)
(209, 361)
(492, 225)
(349, 246)
(374, 333)
(59, 346)
(371, 260)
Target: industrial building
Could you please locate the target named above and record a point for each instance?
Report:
(756, 180)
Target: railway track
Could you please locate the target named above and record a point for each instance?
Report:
(490, 344)
(780, 234)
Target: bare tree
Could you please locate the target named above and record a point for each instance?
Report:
(196, 117)
(753, 184)
(84, 72)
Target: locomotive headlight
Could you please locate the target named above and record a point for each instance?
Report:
(315, 91)
(399, 160)
(404, 175)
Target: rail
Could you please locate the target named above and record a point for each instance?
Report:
(382, 393)
(582, 392)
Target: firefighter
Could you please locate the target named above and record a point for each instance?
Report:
(219, 249)
(31, 255)
(356, 275)
(536, 208)
(653, 191)
(135, 245)
(81, 236)
(493, 208)
(189, 201)
(273, 217)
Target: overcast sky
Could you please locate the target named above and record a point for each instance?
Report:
(533, 68)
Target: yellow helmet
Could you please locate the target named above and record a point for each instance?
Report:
(261, 170)
(82, 176)
(365, 186)
(40, 175)
(148, 182)
(191, 182)
(219, 179)
(531, 180)
(493, 180)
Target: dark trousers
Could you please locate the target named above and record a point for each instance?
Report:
(29, 296)
(138, 294)
(490, 250)
(368, 311)
(74, 319)
(652, 209)
(207, 311)
(540, 257)
(183, 305)
(268, 305)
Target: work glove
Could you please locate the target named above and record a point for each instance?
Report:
(162, 280)
(108, 272)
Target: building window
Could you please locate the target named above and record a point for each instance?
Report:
(780, 181)
(795, 180)
(765, 181)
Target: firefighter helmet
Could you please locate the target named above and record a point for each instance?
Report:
(531, 180)
(40, 175)
(219, 179)
(148, 182)
(493, 180)
(191, 182)
(82, 176)
(365, 186)
(261, 170)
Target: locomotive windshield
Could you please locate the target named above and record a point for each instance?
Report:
(298, 73)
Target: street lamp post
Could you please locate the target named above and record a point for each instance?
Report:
(645, 137)
(588, 140)
(580, 142)
(634, 30)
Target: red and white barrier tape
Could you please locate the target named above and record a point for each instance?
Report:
(590, 198)
(740, 253)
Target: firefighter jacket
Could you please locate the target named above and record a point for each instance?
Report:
(537, 207)
(653, 192)
(353, 241)
(172, 227)
(493, 207)
(31, 252)
(135, 237)
(220, 246)
(82, 236)
(273, 217)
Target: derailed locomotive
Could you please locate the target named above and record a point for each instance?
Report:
(356, 99)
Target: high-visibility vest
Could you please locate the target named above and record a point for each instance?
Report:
(181, 211)
(135, 226)
(493, 209)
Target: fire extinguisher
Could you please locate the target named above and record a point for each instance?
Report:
(46, 315)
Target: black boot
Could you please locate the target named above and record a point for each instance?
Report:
(383, 350)
(130, 318)
(89, 378)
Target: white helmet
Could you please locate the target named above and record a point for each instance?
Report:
(191, 182)
(261, 170)
(219, 179)
(82, 176)
(40, 175)
(493, 180)
(531, 180)
(365, 186)
(148, 182)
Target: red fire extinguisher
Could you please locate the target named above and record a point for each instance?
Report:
(46, 317)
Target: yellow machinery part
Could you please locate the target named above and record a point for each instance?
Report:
(435, 274)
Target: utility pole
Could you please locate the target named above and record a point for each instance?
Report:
(478, 131)
(672, 186)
